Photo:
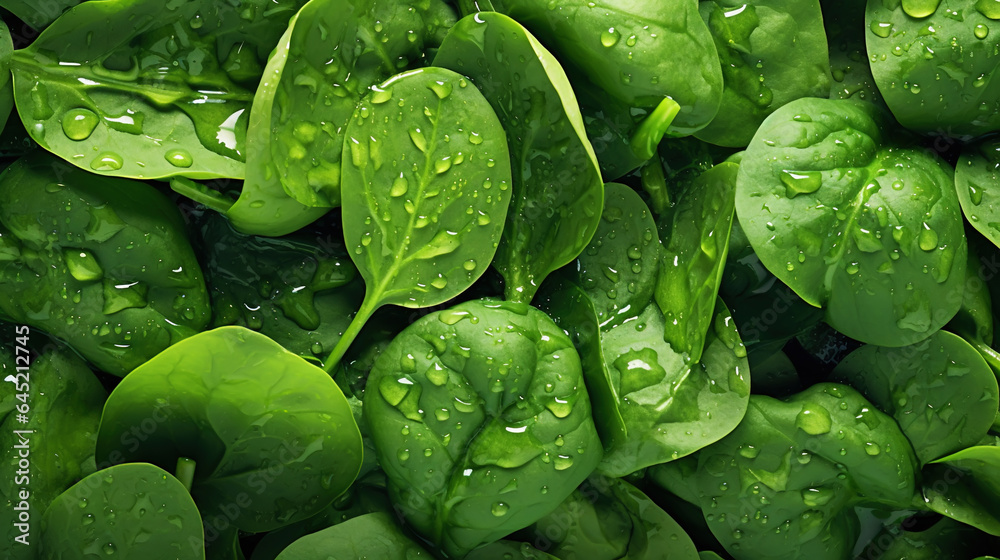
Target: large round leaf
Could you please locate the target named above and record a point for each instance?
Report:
(868, 231)
(772, 51)
(937, 63)
(940, 390)
(134, 510)
(100, 262)
(481, 421)
(272, 436)
(784, 484)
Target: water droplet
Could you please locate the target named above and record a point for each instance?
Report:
(981, 31)
(813, 420)
(609, 38)
(442, 165)
(107, 161)
(109, 549)
(403, 455)
(483, 218)
(975, 194)
(881, 28)
(440, 282)
(469, 265)
(989, 8)
(441, 89)
(179, 158)
(920, 8)
(82, 265)
(928, 238)
(418, 139)
(79, 124)
(499, 509)
(380, 96)
(562, 462)
(399, 186)
(804, 182)
(872, 448)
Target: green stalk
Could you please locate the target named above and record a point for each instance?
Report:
(368, 307)
(652, 129)
(202, 194)
(185, 471)
(991, 356)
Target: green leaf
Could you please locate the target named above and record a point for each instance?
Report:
(135, 509)
(867, 230)
(148, 89)
(99, 262)
(964, 486)
(976, 174)
(273, 437)
(557, 187)
(772, 52)
(331, 55)
(608, 519)
(784, 484)
(636, 52)
(937, 72)
(695, 245)
(300, 290)
(481, 422)
(618, 269)
(425, 196)
(374, 535)
(940, 390)
(64, 401)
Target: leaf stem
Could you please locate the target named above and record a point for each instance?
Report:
(652, 129)
(368, 306)
(185, 471)
(991, 356)
(202, 194)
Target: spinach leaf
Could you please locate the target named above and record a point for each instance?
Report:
(272, 437)
(557, 187)
(63, 400)
(945, 540)
(360, 499)
(648, 392)
(784, 483)
(772, 51)
(624, 253)
(867, 230)
(935, 63)
(134, 509)
(147, 88)
(99, 262)
(481, 422)
(330, 56)
(695, 233)
(940, 390)
(638, 52)
(964, 486)
(374, 535)
(976, 173)
(608, 519)
(974, 320)
(300, 290)
(426, 191)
